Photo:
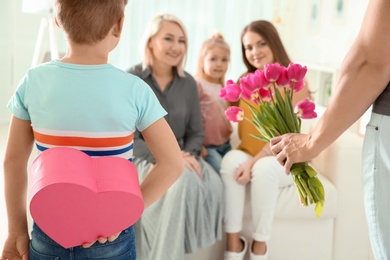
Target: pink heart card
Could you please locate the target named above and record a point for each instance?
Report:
(76, 198)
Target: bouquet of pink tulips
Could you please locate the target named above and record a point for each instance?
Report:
(269, 94)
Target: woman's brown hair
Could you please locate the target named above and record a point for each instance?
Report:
(271, 36)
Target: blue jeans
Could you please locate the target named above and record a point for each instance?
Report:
(43, 247)
(376, 179)
(215, 154)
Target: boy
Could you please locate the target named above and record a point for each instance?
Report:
(83, 97)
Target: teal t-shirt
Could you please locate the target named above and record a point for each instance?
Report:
(93, 108)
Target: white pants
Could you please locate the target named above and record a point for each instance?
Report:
(267, 178)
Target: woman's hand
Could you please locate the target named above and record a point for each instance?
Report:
(16, 247)
(191, 163)
(204, 152)
(243, 173)
(102, 240)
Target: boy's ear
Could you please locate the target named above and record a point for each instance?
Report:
(57, 23)
(117, 29)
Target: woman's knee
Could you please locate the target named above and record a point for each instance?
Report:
(232, 160)
(265, 168)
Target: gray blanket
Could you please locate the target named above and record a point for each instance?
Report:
(188, 217)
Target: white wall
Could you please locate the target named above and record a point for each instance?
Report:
(17, 39)
(326, 44)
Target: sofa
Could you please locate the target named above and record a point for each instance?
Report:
(297, 234)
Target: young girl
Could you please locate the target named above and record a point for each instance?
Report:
(212, 65)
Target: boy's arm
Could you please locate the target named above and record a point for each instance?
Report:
(142, 151)
(169, 163)
(18, 150)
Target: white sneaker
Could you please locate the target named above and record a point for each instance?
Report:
(258, 257)
(237, 255)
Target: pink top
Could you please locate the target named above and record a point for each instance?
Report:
(217, 129)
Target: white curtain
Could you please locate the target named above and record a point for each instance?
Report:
(201, 18)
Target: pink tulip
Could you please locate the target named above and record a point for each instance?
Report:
(297, 85)
(246, 93)
(231, 92)
(247, 82)
(283, 79)
(265, 94)
(272, 71)
(259, 79)
(296, 72)
(234, 114)
(305, 109)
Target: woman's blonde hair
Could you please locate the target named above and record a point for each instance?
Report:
(153, 28)
(216, 40)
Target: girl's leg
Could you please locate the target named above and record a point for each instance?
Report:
(376, 179)
(215, 154)
(234, 198)
(267, 178)
(213, 158)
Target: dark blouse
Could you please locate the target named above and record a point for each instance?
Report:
(180, 99)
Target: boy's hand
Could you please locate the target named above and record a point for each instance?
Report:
(16, 247)
(102, 240)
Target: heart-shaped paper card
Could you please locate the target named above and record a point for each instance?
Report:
(76, 198)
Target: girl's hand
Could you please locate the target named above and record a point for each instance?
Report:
(204, 152)
(191, 163)
(16, 247)
(102, 240)
(243, 173)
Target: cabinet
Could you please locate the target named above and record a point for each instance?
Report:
(322, 84)
(322, 81)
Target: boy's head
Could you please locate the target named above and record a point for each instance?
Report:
(88, 21)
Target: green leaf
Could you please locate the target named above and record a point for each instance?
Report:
(260, 137)
(318, 208)
(305, 187)
(283, 127)
(291, 117)
(318, 187)
(310, 171)
(254, 111)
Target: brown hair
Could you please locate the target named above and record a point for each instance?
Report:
(271, 36)
(88, 21)
(153, 28)
(216, 40)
